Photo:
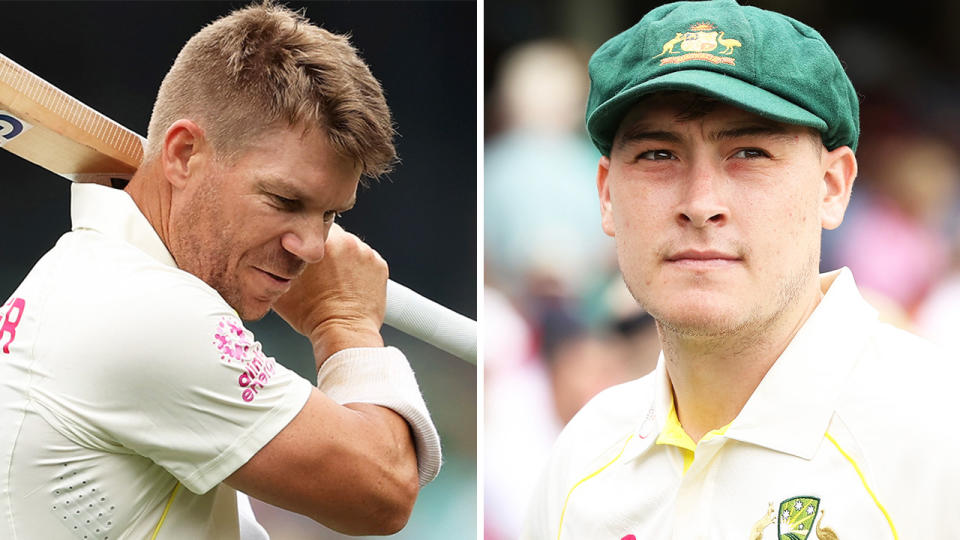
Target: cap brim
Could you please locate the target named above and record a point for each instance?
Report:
(603, 123)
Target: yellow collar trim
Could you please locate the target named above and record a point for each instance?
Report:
(674, 435)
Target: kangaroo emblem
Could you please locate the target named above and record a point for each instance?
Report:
(668, 46)
(757, 532)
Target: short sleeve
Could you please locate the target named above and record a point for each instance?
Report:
(170, 373)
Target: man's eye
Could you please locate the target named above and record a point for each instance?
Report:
(656, 155)
(751, 153)
(284, 203)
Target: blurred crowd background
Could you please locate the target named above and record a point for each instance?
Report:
(559, 323)
(113, 55)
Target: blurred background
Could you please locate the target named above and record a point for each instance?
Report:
(422, 218)
(559, 324)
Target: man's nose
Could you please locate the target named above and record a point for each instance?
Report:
(701, 200)
(307, 243)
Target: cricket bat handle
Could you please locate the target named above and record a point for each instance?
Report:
(431, 322)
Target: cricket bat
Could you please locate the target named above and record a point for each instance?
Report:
(48, 127)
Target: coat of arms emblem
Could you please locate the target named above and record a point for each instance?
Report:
(698, 43)
(795, 521)
(699, 40)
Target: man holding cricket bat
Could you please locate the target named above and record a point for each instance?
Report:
(136, 403)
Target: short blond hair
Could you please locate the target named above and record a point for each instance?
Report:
(264, 65)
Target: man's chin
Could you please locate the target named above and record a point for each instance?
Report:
(252, 309)
(700, 326)
(699, 318)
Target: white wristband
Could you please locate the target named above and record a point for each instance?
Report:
(382, 376)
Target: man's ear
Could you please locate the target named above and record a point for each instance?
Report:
(603, 189)
(840, 169)
(183, 154)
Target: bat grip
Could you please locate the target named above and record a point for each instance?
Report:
(427, 320)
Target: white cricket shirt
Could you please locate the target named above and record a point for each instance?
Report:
(851, 432)
(129, 389)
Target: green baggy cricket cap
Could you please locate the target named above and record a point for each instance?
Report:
(760, 61)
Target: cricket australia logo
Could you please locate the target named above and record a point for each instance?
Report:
(796, 517)
(698, 43)
(795, 521)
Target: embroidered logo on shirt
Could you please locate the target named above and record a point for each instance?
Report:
(795, 520)
(648, 424)
(698, 42)
(10, 315)
(236, 345)
(757, 532)
(796, 517)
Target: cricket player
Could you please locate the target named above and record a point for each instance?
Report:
(780, 407)
(135, 403)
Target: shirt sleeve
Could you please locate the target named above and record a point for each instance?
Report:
(171, 374)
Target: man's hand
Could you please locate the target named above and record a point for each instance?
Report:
(349, 462)
(339, 302)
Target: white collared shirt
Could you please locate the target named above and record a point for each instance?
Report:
(852, 431)
(129, 389)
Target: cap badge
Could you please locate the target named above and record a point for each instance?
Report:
(698, 43)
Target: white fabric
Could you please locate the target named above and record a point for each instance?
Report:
(250, 529)
(886, 397)
(129, 384)
(382, 376)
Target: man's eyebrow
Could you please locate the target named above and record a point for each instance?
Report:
(643, 132)
(281, 187)
(752, 130)
(284, 188)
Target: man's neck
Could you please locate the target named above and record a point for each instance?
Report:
(713, 377)
(152, 197)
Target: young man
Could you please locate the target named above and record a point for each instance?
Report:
(780, 405)
(135, 400)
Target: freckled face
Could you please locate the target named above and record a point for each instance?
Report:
(251, 225)
(716, 218)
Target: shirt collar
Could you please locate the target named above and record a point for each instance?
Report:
(113, 213)
(792, 407)
(654, 421)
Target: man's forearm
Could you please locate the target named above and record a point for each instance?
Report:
(352, 468)
(392, 456)
(329, 338)
(382, 376)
